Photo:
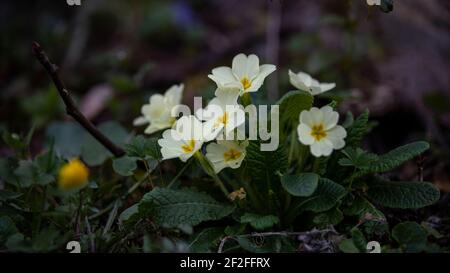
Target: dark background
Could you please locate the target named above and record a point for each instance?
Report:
(114, 54)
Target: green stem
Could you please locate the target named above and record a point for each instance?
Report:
(207, 167)
(292, 147)
(147, 168)
(253, 197)
(304, 153)
(352, 177)
(246, 99)
(179, 174)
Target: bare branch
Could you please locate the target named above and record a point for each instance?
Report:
(71, 107)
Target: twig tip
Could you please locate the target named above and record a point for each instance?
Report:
(36, 48)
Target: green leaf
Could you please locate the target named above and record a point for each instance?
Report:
(28, 173)
(235, 230)
(67, 138)
(411, 236)
(143, 148)
(357, 130)
(386, 6)
(93, 153)
(291, 105)
(249, 245)
(356, 157)
(259, 222)
(172, 208)
(7, 167)
(331, 217)
(262, 167)
(359, 239)
(348, 246)
(48, 162)
(13, 140)
(302, 185)
(9, 195)
(129, 216)
(125, 165)
(396, 157)
(326, 196)
(206, 240)
(7, 228)
(362, 208)
(405, 195)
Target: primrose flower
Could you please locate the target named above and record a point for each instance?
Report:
(226, 153)
(245, 73)
(318, 128)
(222, 114)
(184, 140)
(73, 175)
(158, 111)
(305, 82)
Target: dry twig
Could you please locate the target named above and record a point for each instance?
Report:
(71, 108)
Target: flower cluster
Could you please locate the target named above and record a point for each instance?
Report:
(223, 115)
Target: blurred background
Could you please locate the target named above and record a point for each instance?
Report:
(114, 54)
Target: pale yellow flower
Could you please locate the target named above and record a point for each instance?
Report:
(184, 140)
(245, 73)
(226, 153)
(318, 128)
(305, 82)
(158, 113)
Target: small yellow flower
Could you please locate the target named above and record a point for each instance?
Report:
(73, 175)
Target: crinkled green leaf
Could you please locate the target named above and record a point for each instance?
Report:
(326, 196)
(348, 246)
(411, 236)
(405, 195)
(356, 157)
(259, 222)
(396, 157)
(302, 185)
(263, 167)
(357, 130)
(291, 105)
(172, 208)
(359, 239)
(207, 240)
(331, 217)
(362, 208)
(143, 148)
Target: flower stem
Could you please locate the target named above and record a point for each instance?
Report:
(292, 147)
(246, 99)
(207, 167)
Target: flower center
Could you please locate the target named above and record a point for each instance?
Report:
(222, 120)
(318, 132)
(189, 147)
(231, 154)
(246, 83)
